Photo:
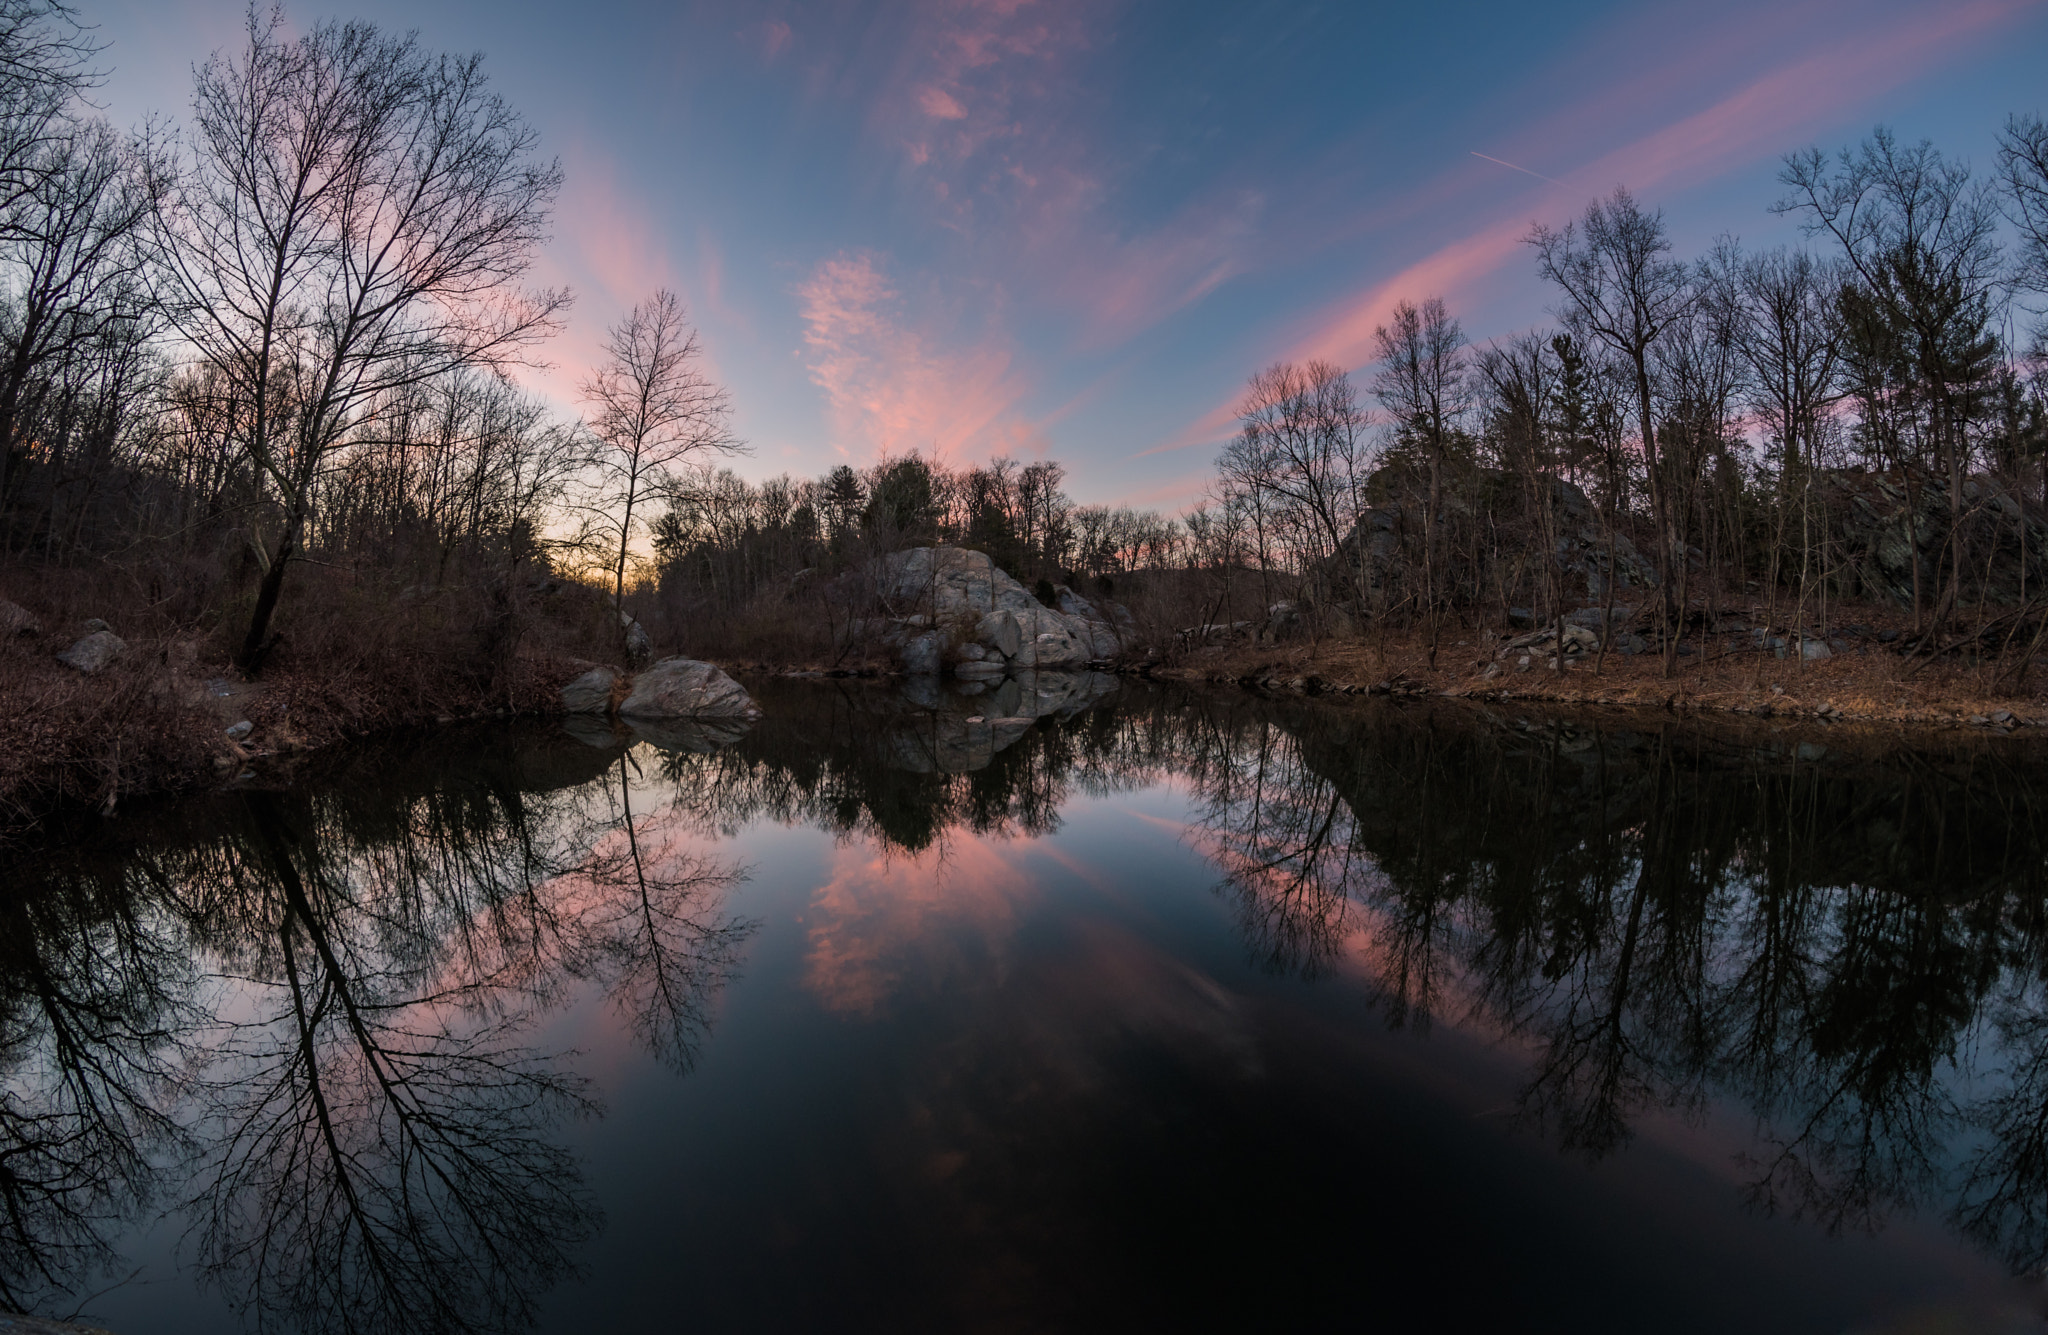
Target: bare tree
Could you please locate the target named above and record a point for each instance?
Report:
(2023, 177)
(45, 56)
(1299, 453)
(1422, 385)
(1619, 285)
(652, 408)
(1921, 239)
(70, 237)
(354, 218)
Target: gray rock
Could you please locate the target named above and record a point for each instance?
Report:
(638, 645)
(972, 653)
(966, 597)
(239, 732)
(590, 693)
(1000, 633)
(1813, 649)
(1383, 550)
(683, 688)
(1577, 640)
(18, 620)
(920, 654)
(1591, 616)
(1049, 641)
(95, 652)
(981, 669)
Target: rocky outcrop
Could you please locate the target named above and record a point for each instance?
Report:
(1385, 544)
(590, 693)
(683, 688)
(95, 652)
(947, 607)
(1887, 525)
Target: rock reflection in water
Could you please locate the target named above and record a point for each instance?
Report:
(303, 1014)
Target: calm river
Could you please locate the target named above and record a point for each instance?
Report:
(1076, 1005)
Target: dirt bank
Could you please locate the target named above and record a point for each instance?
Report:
(1862, 676)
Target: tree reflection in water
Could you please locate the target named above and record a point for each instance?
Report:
(1848, 939)
(368, 1140)
(307, 1012)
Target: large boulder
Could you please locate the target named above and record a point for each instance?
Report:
(590, 693)
(95, 652)
(956, 606)
(683, 688)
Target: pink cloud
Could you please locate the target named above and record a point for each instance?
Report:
(942, 105)
(883, 917)
(891, 387)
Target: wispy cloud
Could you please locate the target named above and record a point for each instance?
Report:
(1758, 120)
(891, 387)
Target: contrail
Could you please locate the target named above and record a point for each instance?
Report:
(1524, 170)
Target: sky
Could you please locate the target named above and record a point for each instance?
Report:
(1072, 229)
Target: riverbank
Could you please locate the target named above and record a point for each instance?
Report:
(1861, 676)
(164, 717)
(160, 718)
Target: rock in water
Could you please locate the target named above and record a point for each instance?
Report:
(239, 732)
(590, 693)
(686, 688)
(95, 652)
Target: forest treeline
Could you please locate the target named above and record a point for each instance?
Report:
(1768, 432)
(258, 390)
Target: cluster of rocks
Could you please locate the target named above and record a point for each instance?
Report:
(95, 649)
(678, 703)
(1579, 636)
(948, 609)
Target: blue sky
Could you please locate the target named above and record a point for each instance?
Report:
(1064, 229)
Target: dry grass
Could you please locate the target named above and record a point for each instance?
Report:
(354, 657)
(1872, 681)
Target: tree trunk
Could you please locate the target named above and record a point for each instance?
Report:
(255, 644)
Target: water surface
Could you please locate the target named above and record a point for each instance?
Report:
(1072, 1005)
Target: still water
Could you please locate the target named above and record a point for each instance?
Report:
(1075, 1005)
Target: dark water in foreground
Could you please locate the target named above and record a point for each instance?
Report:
(1160, 1008)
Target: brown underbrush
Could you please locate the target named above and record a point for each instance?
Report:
(1870, 678)
(355, 656)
